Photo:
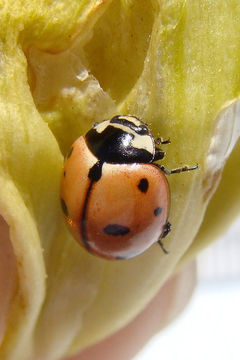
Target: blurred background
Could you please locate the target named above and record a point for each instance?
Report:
(209, 327)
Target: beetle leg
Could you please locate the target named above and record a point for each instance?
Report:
(178, 170)
(166, 230)
(162, 247)
(160, 141)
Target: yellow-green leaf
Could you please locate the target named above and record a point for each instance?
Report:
(64, 65)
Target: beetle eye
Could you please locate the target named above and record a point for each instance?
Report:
(142, 130)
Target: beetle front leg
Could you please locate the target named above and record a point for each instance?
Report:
(160, 141)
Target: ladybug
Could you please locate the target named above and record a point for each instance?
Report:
(115, 197)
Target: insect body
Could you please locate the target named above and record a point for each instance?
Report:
(114, 197)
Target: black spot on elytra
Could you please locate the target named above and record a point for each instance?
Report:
(143, 185)
(116, 230)
(70, 152)
(157, 211)
(64, 173)
(64, 207)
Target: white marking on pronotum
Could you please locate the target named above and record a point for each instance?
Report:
(131, 118)
(102, 126)
(139, 141)
(143, 142)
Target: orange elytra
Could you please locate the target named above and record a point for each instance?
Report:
(115, 197)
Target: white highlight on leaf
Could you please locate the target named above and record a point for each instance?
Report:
(226, 134)
(83, 75)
